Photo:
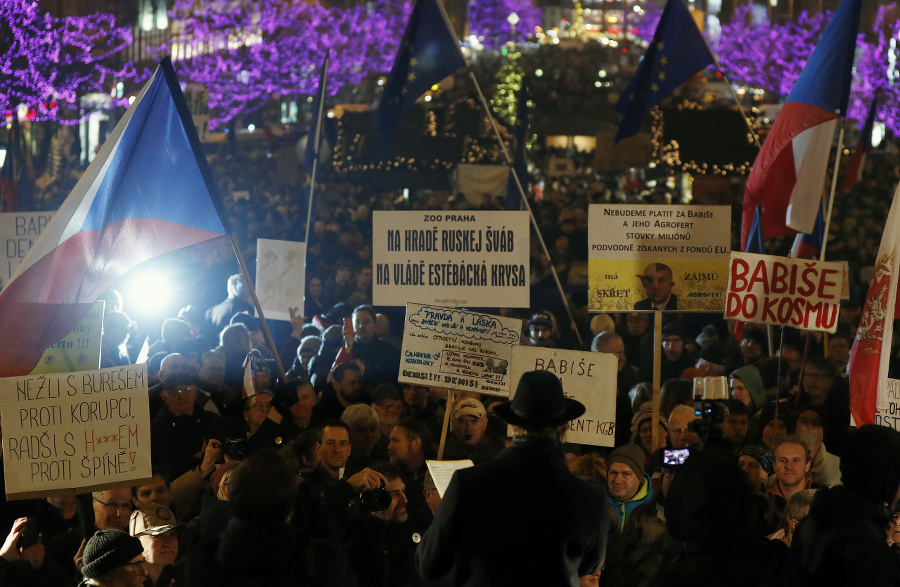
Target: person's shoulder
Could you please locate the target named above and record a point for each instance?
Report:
(642, 304)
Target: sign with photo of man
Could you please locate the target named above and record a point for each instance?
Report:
(658, 257)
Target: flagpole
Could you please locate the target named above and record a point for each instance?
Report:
(534, 223)
(834, 176)
(318, 134)
(262, 318)
(734, 95)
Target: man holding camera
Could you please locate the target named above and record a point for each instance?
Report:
(491, 503)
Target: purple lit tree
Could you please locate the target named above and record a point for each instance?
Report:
(248, 52)
(878, 72)
(48, 63)
(488, 21)
(642, 23)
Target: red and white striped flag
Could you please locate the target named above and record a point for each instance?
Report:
(868, 366)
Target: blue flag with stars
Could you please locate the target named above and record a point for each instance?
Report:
(428, 53)
(677, 52)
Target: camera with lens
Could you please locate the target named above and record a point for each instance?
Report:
(709, 417)
(236, 448)
(375, 500)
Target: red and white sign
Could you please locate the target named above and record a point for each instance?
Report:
(781, 291)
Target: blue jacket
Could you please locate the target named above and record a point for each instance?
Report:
(623, 509)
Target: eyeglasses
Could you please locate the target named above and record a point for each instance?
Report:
(116, 506)
(135, 566)
(183, 391)
(390, 405)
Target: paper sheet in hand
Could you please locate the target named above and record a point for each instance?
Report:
(442, 471)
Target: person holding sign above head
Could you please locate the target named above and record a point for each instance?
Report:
(493, 503)
(657, 281)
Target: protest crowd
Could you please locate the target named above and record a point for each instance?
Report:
(301, 459)
(320, 476)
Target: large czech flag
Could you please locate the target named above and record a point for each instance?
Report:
(147, 193)
(789, 173)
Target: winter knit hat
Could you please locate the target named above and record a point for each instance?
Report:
(630, 455)
(752, 380)
(762, 454)
(645, 413)
(109, 549)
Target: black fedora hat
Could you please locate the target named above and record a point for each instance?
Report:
(539, 401)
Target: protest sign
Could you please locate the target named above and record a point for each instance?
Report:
(196, 96)
(587, 377)
(442, 472)
(18, 231)
(887, 405)
(470, 258)
(782, 291)
(647, 257)
(75, 431)
(280, 277)
(77, 351)
(458, 349)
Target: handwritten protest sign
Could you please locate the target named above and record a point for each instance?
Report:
(782, 291)
(587, 377)
(458, 349)
(77, 351)
(70, 431)
(471, 258)
(887, 404)
(18, 231)
(280, 277)
(643, 257)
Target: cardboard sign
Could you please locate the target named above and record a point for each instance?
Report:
(587, 377)
(280, 277)
(458, 349)
(75, 431)
(77, 351)
(781, 291)
(644, 257)
(18, 231)
(471, 258)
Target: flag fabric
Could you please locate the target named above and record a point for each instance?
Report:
(858, 161)
(513, 199)
(147, 193)
(16, 175)
(675, 55)
(870, 354)
(318, 109)
(808, 245)
(251, 366)
(428, 53)
(789, 173)
(755, 242)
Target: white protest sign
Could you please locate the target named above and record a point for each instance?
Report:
(782, 291)
(197, 98)
(458, 349)
(18, 231)
(589, 378)
(642, 257)
(470, 258)
(442, 472)
(280, 277)
(75, 431)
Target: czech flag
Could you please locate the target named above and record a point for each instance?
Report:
(789, 173)
(147, 193)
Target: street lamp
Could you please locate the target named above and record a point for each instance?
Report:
(513, 20)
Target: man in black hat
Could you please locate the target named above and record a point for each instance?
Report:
(112, 558)
(499, 498)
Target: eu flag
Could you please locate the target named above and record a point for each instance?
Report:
(428, 53)
(513, 200)
(677, 52)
